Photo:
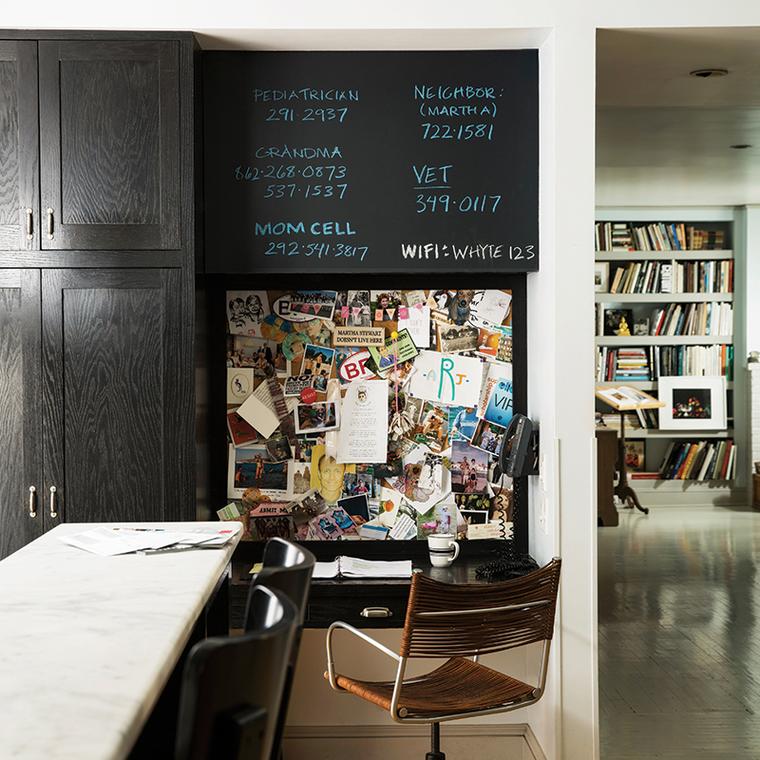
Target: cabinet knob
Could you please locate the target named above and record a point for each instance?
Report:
(32, 501)
(53, 491)
(51, 227)
(29, 223)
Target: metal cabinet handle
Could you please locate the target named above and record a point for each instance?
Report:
(53, 491)
(50, 214)
(376, 612)
(32, 501)
(29, 223)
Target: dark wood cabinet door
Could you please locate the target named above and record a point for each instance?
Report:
(109, 145)
(117, 396)
(21, 517)
(19, 147)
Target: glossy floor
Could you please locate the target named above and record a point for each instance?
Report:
(679, 635)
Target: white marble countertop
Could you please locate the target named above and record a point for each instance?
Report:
(87, 642)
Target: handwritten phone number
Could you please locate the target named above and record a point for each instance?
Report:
(289, 171)
(318, 250)
(307, 191)
(463, 132)
(321, 115)
(467, 204)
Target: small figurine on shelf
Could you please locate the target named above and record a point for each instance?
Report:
(623, 328)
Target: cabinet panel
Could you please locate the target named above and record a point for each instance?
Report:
(109, 114)
(19, 149)
(113, 432)
(20, 440)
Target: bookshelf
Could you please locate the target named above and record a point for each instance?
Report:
(704, 269)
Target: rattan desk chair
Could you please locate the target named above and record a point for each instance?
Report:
(459, 621)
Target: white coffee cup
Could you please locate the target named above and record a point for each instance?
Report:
(443, 549)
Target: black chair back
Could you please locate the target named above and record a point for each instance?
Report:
(232, 686)
(286, 567)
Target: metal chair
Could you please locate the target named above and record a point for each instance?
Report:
(287, 568)
(460, 621)
(232, 686)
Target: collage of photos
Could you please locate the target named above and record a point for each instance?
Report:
(393, 438)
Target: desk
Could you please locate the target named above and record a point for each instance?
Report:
(345, 598)
(87, 643)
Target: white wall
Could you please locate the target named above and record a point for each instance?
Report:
(561, 310)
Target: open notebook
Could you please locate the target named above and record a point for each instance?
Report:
(352, 567)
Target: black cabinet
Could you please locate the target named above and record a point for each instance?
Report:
(19, 146)
(109, 144)
(96, 399)
(21, 518)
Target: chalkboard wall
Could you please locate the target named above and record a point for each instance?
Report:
(371, 161)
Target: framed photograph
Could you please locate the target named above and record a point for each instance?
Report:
(634, 456)
(601, 276)
(693, 403)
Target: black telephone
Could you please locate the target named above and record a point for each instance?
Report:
(519, 448)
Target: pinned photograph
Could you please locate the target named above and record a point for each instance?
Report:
(257, 353)
(455, 340)
(434, 428)
(239, 385)
(301, 478)
(251, 467)
(487, 437)
(469, 469)
(317, 360)
(316, 304)
(496, 344)
(356, 312)
(246, 311)
(356, 507)
(360, 482)
(334, 523)
(278, 448)
(384, 304)
(462, 422)
(319, 417)
(496, 401)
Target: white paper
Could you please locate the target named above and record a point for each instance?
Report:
(363, 435)
(259, 411)
(404, 529)
(110, 542)
(448, 379)
(489, 308)
(326, 569)
(418, 325)
(353, 567)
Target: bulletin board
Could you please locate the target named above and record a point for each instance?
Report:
(366, 410)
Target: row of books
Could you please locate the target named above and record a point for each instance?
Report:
(658, 236)
(659, 277)
(621, 364)
(714, 319)
(699, 460)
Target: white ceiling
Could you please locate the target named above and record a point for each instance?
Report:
(661, 131)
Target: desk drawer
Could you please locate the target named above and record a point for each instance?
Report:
(382, 610)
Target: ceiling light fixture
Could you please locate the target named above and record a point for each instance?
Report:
(708, 73)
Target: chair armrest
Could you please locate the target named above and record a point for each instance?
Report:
(356, 632)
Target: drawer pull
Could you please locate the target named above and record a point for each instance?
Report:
(376, 612)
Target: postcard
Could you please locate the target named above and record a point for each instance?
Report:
(448, 379)
(317, 360)
(360, 482)
(469, 469)
(373, 532)
(246, 311)
(317, 304)
(390, 501)
(301, 478)
(489, 307)
(496, 344)
(495, 403)
(239, 384)
(250, 467)
(455, 339)
(334, 523)
(296, 383)
(259, 411)
(477, 531)
(415, 319)
(433, 429)
(384, 305)
(257, 353)
(404, 529)
(240, 431)
(474, 517)
(462, 422)
(278, 448)
(314, 418)
(414, 297)
(358, 336)
(394, 351)
(487, 436)
(363, 434)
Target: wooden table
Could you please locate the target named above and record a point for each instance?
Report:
(88, 643)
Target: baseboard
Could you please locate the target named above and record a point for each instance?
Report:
(323, 740)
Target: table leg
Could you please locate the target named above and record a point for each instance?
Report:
(622, 490)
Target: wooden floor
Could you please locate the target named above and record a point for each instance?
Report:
(679, 635)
